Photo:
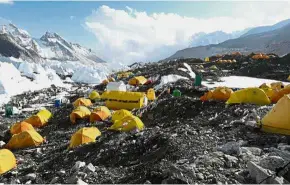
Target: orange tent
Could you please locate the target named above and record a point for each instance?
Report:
(25, 139)
(278, 94)
(99, 114)
(220, 93)
(20, 127)
(40, 119)
(260, 56)
(82, 102)
(277, 85)
(236, 53)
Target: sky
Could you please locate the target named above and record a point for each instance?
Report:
(128, 31)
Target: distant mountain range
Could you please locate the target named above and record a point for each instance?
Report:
(203, 39)
(268, 39)
(15, 42)
(262, 29)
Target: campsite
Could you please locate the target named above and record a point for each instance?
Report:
(155, 125)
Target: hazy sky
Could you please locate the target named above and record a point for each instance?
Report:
(139, 31)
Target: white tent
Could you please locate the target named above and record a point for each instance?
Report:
(116, 86)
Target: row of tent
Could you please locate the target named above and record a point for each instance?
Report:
(102, 113)
(256, 56)
(134, 81)
(122, 120)
(262, 95)
(226, 61)
(24, 135)
(260, 56)
(276, 120)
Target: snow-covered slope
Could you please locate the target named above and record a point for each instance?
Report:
(28, 64)
(14, 80)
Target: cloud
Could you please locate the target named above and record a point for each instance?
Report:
(130, 36)
(6, 2)
(72, 17)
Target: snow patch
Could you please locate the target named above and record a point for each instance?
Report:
(12, 83)
(190, 72)
(169, 79)
(39, 74)
(239, 82)
(89, 75)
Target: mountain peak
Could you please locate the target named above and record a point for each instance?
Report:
(14, 30)
(50, 35)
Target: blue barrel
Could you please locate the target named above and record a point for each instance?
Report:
(57, 103)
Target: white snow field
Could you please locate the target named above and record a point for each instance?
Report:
(239, 82)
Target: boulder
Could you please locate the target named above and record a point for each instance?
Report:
(261, 175)
(272, 162)
(78, 165)
(231, 147)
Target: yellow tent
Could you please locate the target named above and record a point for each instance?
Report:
(111, 79)
(94, 95)
(267, 88)
(220, 93)
(124, 75)
(151, 94)
(213, 67)
(82, 102)
(40, 119)
(99, 114)
(105, 82)
(81, 112)
(249, 95)
(123, 100)
(138, 80)
(288, 78)
(128, 123)
(7, 161)
(20, 127)
(25, 139)
(119, 114)
(265, 85)
(278, 119)
(206, 59)
(83, 136)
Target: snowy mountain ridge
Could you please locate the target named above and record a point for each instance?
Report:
(50, 46)
(203, 39)
(29, 64)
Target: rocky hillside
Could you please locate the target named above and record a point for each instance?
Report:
(275, 41)
(15, 42)
(185, 140)
(262, 29)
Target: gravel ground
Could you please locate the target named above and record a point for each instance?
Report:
(185, 140)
